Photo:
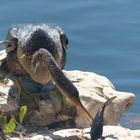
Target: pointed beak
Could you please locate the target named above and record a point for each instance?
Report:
(85, 114)
(82, 110)
(2, 44)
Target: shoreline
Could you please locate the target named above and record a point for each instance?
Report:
(130, 120)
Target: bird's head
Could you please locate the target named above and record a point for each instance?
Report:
(11, 41)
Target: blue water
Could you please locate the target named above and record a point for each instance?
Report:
(104, 35)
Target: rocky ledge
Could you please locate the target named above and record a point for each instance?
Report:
(109, 133)
(93, 89)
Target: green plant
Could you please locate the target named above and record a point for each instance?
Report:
(9, 127)
(22, 113)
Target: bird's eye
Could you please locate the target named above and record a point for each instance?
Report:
(64, 40)
(11, 45)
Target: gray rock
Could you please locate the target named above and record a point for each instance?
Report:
(93, 89)
(109, 133)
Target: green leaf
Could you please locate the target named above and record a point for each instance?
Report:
(9, 127)
(22, 113)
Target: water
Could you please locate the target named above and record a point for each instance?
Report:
(104, 35)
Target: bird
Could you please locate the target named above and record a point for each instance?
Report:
(39, 51)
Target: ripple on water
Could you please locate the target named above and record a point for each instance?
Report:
(131, 120)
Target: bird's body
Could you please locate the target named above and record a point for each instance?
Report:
(39, 51)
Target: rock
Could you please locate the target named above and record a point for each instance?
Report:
(109, 132)
(94, 90)
(118, 132)
(7, 104)
(3, 54)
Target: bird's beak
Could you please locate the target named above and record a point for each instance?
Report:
(2, 44)
(82, 109)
